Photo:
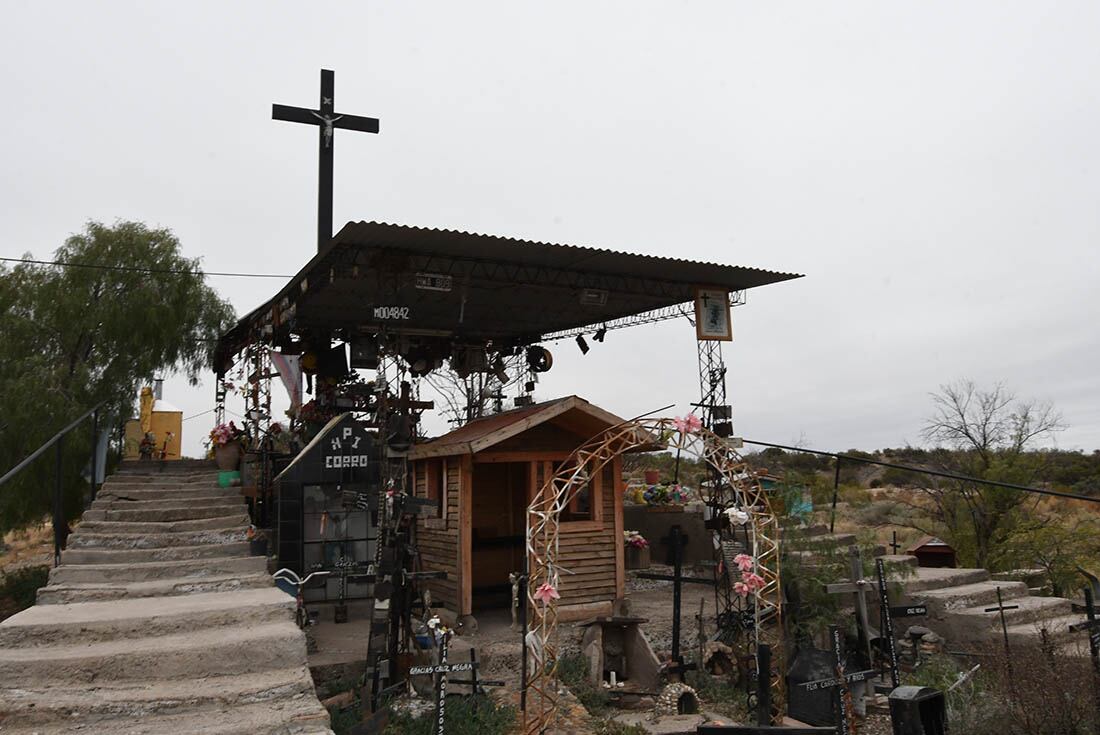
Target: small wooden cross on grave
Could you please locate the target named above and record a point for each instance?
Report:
(440, 671)
(1092, 625)
(1000, 608)
(894, 545)
(326, 120)
(676, 541)
(858, 587)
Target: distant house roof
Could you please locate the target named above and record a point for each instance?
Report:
(929, 541)
(571, 412)
(163, 406)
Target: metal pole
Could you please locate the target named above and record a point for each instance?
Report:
(58, 506)
(95, 450)
(523, 629)
(836, 490)
(763, 684)
(677, 564)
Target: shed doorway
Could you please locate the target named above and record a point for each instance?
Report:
(498, 516)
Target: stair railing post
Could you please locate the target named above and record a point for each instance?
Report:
(58, 506)
(95, 450)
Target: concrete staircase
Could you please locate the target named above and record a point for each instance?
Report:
(159, 621)
(957, 599)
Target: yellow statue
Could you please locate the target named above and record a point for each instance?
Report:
(147, 409)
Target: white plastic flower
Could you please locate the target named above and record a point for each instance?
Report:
(737, 516)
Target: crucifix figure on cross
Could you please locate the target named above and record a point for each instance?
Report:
(327, 121)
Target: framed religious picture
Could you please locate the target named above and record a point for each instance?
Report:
(712, 315)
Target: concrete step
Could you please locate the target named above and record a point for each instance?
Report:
(1057, 629)
(168, 467)
(218, 651)
(170, 553)
(48, 626)
(240, 519)
(82, 539)
(951, 599)
(930, 578)
(95, 707)
(898, 561)
(840, 540)
(177, 512)
(226, 497)
(60, 594)
(185, 569)
(161, 479)
(144, 492)
(1026, 610)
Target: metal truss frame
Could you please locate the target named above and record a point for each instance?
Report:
(737, 488)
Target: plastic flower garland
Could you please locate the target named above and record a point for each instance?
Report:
(635, 539)
(750, 581)
(222, 434)
(689, 424)
(545, 593)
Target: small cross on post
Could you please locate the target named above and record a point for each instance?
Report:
(859, 587)
(326, 120)
(894, 545)
(1000, 608)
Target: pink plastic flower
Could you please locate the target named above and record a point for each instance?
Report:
(753, 581)
(688, 424)
(741, 588)
(545, 593)
(744, 562)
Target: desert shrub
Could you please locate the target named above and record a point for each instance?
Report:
(473, 715)
(573, 672)
(611, 727)
(19, 587)
(855, 496)
(719, 694)
(1034, 691)
(878, 513)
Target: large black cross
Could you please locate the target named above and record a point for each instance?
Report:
(676, 541)
(327, 120)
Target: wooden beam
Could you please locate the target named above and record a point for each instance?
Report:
(620, 562)
(489, 457)
(465, 536)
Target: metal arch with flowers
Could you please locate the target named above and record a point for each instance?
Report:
(737, 495)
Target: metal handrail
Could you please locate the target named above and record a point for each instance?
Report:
(59, 526)
(56, 437)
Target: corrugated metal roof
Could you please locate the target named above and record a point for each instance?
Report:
(504, 289)
(461, 244)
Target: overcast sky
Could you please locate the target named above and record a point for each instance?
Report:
(932, 167)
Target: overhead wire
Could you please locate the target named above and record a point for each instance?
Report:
(139, 269)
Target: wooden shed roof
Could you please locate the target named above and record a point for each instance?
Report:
(572, 412)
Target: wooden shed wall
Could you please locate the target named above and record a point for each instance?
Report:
(594, 556)
(439, 547)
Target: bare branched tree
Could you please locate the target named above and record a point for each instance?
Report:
(989, 435)
(476, 395)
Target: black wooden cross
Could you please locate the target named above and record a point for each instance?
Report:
(887, 613)
(327, 120)
(894, 545)
(1092, 625)
(1000, 608)
(440, 671)
(676, 542)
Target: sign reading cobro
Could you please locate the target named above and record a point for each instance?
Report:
(346, 449)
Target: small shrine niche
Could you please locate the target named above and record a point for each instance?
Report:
(317, 526)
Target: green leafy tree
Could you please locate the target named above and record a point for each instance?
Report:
(991, 435)
(71, 337)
